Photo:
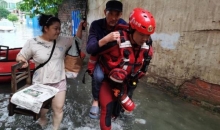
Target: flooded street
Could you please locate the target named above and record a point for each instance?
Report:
(18, 37)
(155, 109)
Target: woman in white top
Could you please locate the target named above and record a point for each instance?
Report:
(53, 72)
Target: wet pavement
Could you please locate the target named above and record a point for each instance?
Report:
(155, 109)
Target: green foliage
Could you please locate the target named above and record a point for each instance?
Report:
(12, 17)
(3, 13)
(36, 7)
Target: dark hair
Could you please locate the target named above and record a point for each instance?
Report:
(47, 20)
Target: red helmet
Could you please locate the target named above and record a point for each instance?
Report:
(142, 21)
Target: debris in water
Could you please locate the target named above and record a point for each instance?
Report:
(140, 121)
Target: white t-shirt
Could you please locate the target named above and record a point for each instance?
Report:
(40, 50)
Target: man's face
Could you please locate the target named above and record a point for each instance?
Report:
(112, 17)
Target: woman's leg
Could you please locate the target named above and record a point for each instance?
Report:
(57, 106)
(43, 119)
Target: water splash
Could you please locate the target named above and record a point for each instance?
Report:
(140, 121)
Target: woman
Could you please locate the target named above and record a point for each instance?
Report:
(123, 64)
(52, 73)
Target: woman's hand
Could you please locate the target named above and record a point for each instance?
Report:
(80, 27)
(21, 59)
(25, 65)
(83, 23)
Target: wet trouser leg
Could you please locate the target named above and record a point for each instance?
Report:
(130, 91)
(97, 78)
(106, 102)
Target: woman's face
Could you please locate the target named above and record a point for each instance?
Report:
(53, 30)
(140, 38)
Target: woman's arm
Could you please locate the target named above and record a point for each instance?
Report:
(79, 30)
(25, 54)
(20, 59)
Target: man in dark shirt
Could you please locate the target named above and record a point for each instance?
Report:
(102, 32)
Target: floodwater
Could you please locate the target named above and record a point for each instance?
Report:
(19, 37)
(155, 110)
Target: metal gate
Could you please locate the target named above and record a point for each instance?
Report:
(75, 21)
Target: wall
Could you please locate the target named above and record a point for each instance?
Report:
(64, 14)
(186, 44)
